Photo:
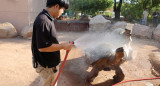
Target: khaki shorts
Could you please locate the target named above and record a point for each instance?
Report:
(47, 75)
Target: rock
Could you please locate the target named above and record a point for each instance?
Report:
(129, 26)
(85, 18)
(156, 33)
(27, 32)
(119, 25)
(99, 23)
(149, 84)
(155, 62)
(7, 30)
(142, 31)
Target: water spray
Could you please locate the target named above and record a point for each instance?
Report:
(113, 39)
(97, 44)
(60, 71)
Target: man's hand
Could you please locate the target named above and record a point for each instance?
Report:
(67, 46)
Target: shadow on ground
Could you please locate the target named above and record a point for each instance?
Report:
(109, 82)
(35, 82)
(74, 74)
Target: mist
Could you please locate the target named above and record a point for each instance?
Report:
(99, 44)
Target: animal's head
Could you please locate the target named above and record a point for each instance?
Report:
(119, 53)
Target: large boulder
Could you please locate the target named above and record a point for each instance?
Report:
(156, 33)
(119, 25)
(27, 32)
(7, 30)
(142, 31)
(98, 23)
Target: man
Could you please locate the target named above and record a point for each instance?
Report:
(45, 46)
(107, 63)
(145, 14)
(155, 18)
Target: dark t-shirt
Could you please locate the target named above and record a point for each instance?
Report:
(44, 35)
(155, 15)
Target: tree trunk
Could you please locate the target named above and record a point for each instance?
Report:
(117, 10)
(117, 14)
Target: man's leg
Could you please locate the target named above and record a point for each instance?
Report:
(153, 22)
(145, 21)
(156, 22)
(55, 76)
(47, 75)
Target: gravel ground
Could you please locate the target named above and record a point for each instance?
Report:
(16, 64)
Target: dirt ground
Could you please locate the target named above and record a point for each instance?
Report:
(16, 64)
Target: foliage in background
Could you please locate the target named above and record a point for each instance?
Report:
(134, 9)
(90, 7)
(130, 9)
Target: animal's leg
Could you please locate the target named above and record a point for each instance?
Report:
(92, 75)
(119, 74)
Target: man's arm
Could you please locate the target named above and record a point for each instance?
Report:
(56, 47)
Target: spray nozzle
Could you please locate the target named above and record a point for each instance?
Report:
(71, 42)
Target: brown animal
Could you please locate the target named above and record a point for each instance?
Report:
(108, 63)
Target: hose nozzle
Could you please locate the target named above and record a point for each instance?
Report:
(71, 42)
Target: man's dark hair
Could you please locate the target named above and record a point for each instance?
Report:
(61, 3)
